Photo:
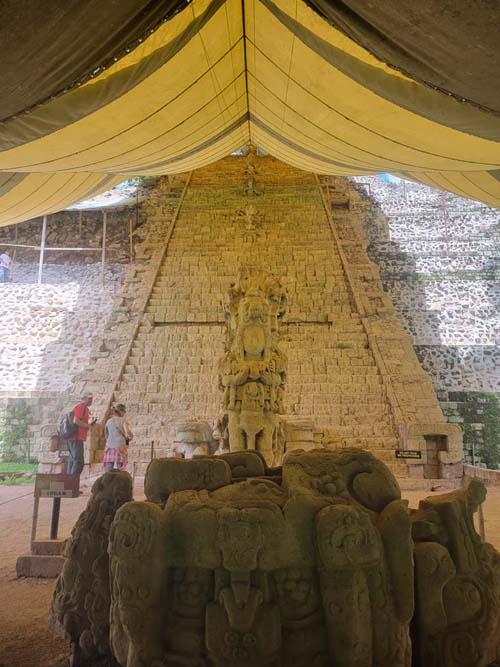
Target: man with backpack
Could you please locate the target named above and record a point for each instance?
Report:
(78, 434)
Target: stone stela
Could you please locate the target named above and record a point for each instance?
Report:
(252, 372)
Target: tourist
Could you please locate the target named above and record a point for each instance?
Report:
(5, 264)
(118, 436)
(81, 419)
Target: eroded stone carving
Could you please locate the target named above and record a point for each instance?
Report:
(251, 171)
(457, 582)
(249, 215)
(231, 564)
(81, 602)
(193, 438)
(314, 571)
(252, 372)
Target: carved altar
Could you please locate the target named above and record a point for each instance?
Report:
(231, 563)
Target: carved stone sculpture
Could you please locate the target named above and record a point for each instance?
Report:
(315, 571)
(252, 372)
(249, 215)
(251, 171)
(193, 438)
(457, 583)
(230, 564)
(81, 602)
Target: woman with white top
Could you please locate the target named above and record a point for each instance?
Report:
(5, 266)
(118, 435)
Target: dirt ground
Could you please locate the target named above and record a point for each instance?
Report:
(25, 640)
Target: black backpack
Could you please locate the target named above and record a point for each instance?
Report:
(67, 427)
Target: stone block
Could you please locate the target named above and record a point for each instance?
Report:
(48, 547)
(41, 567)
(164, 476)
(245, 464)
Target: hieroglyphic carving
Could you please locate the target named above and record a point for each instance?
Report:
(457, 582)
(310, 568)
(252, 372)
(255, 573)
(81, 602)
(249, 215)
(251, 171)
(138, 584)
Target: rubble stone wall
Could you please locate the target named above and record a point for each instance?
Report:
(48, 330)
(439, 259)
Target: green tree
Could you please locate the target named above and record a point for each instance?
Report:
(14, 432)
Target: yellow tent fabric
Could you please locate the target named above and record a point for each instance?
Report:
(222, 73)
(26, 196)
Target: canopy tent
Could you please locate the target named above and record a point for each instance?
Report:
(26, 196)
(216, 74)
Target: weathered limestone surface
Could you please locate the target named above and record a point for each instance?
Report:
(352, 373)
(230, 563)
(117, 328)
(252, 372)
(80, 607)
(458, 583)
(440, 267)
(333, 378)
(258, 573)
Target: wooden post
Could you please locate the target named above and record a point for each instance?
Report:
(34, 521)
(131, 237)
(54, 522)
(103, 251)
(42, 249)
(137, 207)
(80, 221)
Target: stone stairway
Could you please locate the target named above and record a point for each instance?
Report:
(171, 372)
(352, 371)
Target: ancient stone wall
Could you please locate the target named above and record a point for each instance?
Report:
(49, 330)
(355, 384)
(332, 376)
(440, 267)
(353, 378)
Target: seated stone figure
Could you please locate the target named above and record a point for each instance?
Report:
(314, 571)
(458, 583)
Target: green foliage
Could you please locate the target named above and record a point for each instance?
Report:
(17, 467)
(14, 433)
(483, 408)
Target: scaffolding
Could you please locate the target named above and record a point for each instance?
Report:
(43, 248)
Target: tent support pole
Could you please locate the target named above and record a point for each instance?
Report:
(131, 237)
(42, 249)
(103, 250)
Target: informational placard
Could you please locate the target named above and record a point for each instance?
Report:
(57, 486)
(408, 454)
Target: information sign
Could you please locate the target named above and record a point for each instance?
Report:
(408, 454)
(57, 486)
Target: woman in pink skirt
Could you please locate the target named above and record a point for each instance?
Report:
(118, 435)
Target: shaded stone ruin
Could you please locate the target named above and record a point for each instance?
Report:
(438, 256)
(318, 563)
